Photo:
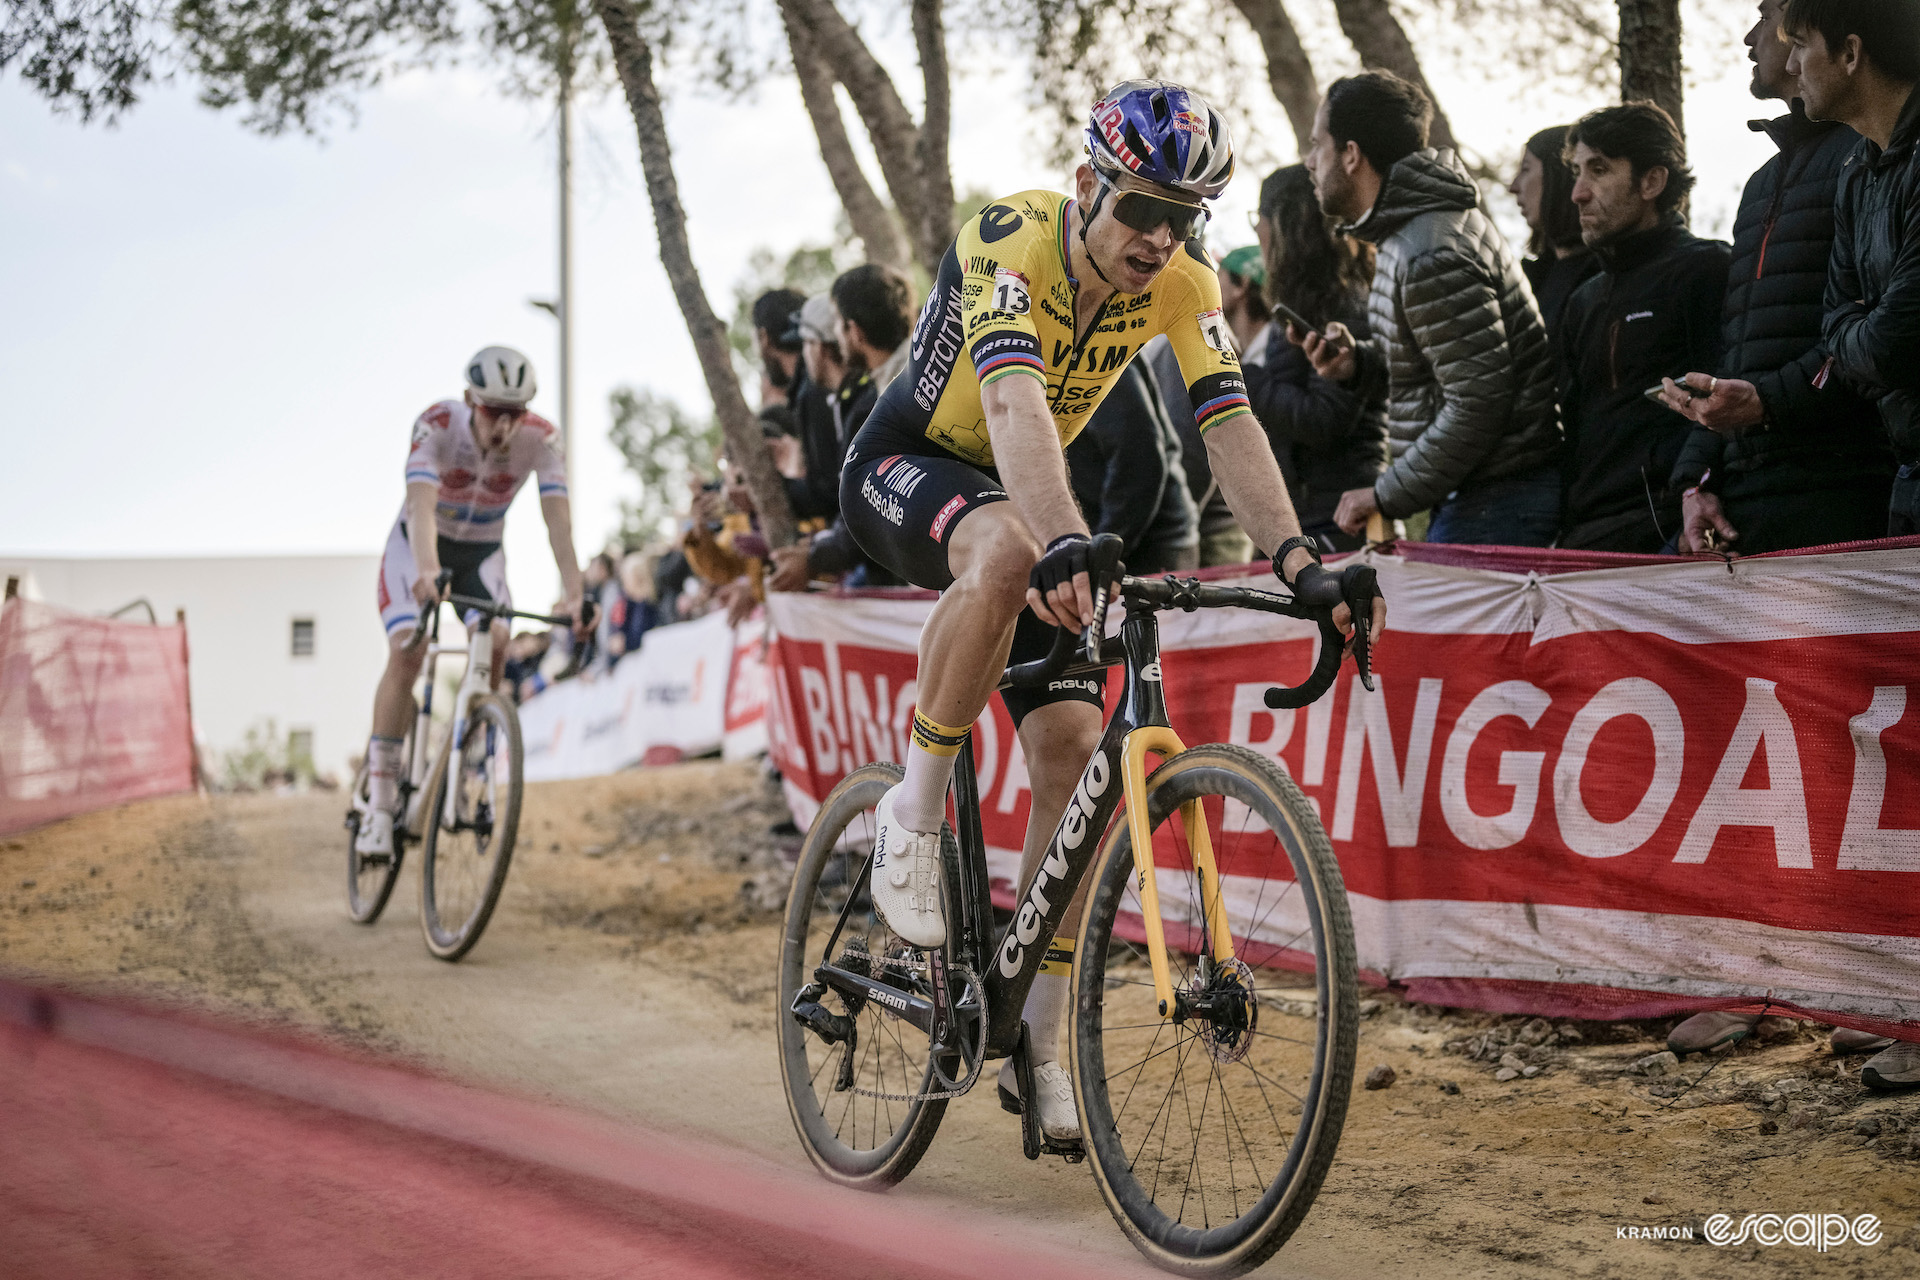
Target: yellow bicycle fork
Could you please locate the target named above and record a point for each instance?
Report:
(1162, 741)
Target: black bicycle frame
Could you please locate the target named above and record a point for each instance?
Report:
(1007, 967)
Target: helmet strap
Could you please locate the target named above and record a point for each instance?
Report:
(1093, 262)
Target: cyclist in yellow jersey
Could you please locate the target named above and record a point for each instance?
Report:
(957, 480)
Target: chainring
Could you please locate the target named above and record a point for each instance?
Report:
(952, 1088)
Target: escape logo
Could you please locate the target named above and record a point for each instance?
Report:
(1821, 1231)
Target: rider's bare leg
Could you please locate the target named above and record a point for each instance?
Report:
(963, 647)
(501, 636)
(1057, 742)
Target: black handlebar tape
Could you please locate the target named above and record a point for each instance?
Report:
(1325, 671)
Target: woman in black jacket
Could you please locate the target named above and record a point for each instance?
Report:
(1561, 261)
(1327, 438)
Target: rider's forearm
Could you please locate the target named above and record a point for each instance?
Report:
(423, 527)
(1243, 463)
(1026, 452)
(559, 517)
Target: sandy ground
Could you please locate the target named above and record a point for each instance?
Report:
(630, 971)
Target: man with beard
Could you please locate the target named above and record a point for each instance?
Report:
(1786, 455)
(1458, 340)
(1653, 313)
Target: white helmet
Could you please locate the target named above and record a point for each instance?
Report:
(501, 378)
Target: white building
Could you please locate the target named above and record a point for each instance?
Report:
(293, 639)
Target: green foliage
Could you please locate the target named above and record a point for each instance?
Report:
(664, 447)
(89, 57)
(263, 760)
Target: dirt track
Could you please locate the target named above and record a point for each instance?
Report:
(630, 972)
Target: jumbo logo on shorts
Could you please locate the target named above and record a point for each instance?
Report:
(947, 513)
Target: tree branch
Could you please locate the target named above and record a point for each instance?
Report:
(896, 139)
(872, 221)
(936, 174)
(633, 60)
(1289, 70)
(1382, 44)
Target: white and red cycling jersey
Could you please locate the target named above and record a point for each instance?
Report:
(476, 489)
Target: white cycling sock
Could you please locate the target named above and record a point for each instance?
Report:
(920, 801)
(383, 771)
(1046, 1008)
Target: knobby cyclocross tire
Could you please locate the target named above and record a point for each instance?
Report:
(854, 1139)
(370, 885)
(1192, 1125)
(462, 871)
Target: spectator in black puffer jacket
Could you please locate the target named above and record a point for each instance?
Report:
(1784, 457)
(1653, 313)
(1126, 475)
(1457, 337)
(1328, 438)
(1860, 63)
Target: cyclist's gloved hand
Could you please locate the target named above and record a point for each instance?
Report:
(1066, 557)
(1323, 591)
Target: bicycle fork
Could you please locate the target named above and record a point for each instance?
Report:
(1162, 741)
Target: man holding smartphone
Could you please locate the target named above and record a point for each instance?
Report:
(1459, 343)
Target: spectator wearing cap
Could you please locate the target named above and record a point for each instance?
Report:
(1328, 438)
(1243, 279)
(1560, 261)
(872, 317)
(813, 332)
(781, 374)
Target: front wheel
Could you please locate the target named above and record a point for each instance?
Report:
(1212, 1130)
(468, 842)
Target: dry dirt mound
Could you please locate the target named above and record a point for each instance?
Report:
(630, 969)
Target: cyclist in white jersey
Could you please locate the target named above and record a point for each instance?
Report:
(469, 458)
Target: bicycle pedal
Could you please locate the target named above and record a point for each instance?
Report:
(375, 859)
(1071, 1152)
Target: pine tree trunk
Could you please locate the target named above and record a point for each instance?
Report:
(1650, 55)
(1289, 70)
(746, 446)
(872, 221)
(1382, 43)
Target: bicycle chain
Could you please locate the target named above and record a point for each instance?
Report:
(966, 975)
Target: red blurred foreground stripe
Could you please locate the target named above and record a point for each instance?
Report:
(134, 1143)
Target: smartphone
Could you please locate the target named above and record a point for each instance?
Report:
(1289, 316)
(1658, 394)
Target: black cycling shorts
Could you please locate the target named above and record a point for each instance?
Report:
(902, 496)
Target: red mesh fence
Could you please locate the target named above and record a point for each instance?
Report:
(93, 713)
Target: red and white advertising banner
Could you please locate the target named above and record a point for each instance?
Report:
(1619, 792)
(690, 690)
(93, 713)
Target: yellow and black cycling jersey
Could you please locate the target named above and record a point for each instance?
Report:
(1003, 306)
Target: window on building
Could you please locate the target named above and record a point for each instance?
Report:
(303, 637)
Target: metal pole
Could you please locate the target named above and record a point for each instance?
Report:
(566, 270)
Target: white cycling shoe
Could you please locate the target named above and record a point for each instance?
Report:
(906, 878)
(375, 837)
(1058, 1119)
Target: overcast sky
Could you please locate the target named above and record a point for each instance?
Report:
(215, 342)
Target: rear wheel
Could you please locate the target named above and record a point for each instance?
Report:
(855, 1098)
(1211, 1131)
(370, 879)
(469, 843)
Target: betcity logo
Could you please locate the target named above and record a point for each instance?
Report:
(1073, 833)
